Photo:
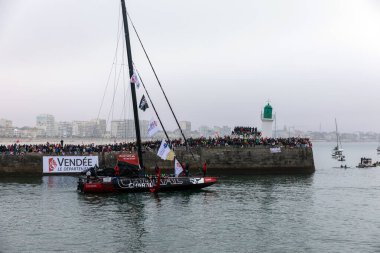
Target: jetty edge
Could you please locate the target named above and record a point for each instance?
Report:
(221, 161)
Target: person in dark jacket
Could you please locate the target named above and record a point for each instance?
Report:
(187, 167)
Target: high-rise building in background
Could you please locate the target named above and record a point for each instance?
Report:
(99, 127)
(65, 129)
(144, 125)
(118, 129)
(226, 130)
(216, 131)
(221, 131)
(46, 124)
(27, 132)
(205, 131)
(186, 127)
(79, 129)
(125, 129)
(6, 128)
(94, 128)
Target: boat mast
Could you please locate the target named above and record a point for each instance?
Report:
(133, 88)
(337, 136)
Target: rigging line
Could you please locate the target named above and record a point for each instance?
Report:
(119, 28)
(114, 94)
(111, 71)
(115, 83)
(123, 111)
(113, 64)
(154, 108)
(159, 83)
(104, 93)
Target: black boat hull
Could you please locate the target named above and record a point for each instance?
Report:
(146, 184)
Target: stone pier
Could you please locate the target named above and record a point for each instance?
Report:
(221, 161)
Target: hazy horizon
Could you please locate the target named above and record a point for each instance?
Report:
(195, 127)
(218, 62)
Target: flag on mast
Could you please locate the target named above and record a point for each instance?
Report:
(177, 168)
(153, 127)
(143, 104)
(170, 156)
(164, 150)
(135, 79)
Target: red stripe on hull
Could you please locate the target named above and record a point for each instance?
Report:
(211, 180)
(98, 187)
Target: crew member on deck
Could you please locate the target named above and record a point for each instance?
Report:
(117, 170)
(88, 174)
(204, 169)
(157, 170)
(93, 171)
(187, 167)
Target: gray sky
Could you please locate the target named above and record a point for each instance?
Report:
(219, 61)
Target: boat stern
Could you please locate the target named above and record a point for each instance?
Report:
(99, 186)
(210, 180)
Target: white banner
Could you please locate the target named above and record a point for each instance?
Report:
(275, 150)
(68, 164)
(177, 168)
(164, 150)
(153, 127)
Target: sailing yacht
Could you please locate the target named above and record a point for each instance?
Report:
(337, 152)
(129, 173)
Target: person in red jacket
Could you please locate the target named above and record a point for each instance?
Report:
(117, 170)
(157, 170)
(204, 169)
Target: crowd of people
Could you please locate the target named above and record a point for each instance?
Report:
(249, 142)
(245, 131)
(86, 149)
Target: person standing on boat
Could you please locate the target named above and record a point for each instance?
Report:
(157, 170)
(88, 174)
(93, 171)
(117, 171)
(187, 167)
(204, 169)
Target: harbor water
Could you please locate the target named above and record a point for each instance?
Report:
(333, 210)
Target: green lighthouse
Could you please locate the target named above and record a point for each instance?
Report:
(268, 112)
(267, 121)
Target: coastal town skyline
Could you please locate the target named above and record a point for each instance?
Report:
(323, 68)
(46, 126)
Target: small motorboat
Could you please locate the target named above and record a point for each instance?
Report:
(367, 163)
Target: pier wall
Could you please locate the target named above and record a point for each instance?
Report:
(220, 161)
